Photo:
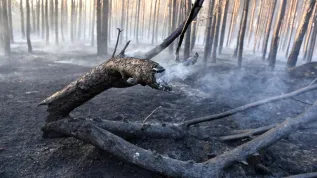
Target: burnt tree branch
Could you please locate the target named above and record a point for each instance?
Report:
(188, 21)
(149, 160)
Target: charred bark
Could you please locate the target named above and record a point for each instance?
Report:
(28, 26)
(292, 59)
(276, 35)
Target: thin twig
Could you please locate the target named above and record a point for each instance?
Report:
(313, 82)
(306, 175)
(247, 133)
(122, 53)
(150, 115)
(248, 106)
(115, 49)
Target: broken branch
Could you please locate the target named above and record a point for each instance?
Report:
(248, 106)
(115, 49)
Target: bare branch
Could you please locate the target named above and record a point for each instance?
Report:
(167, 41)
(122, 53)
(307, 175)
(247, 133)
(115, 49)
(189, 19)
(250, 105)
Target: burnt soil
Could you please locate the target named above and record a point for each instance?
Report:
(25, 80)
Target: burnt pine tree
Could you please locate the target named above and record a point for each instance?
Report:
(188, 32)
(268, 30)
(223, 25)
(47, 27)
(217, 29)
(93, 23)
(243, 26)
(1, 26)
(22, 19)
(5, 28)
(292, 59)
(43, 19)
(10, 20)
(276, 35)
(98, 14)
(28, 26)
(313, 39)
(56, 21)
(208, 30)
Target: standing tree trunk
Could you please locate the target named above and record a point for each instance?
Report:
(122, 17)
(52, 14)
(243, 26)
(157, 20)
(154, 17)
(38, 17)
(28, 26)
(33, 17)
(292, 59)
(47, 23)
(268, 30)
(99, 45)
(72, 20)
(223, 26)
(217, 29)
(22, 19)
(63, 15)
(194, 34)
(276, 35)
(127, 23)
(93, 23)
(251, 22)
(10, 21)
(209, 22)
(188, 32)
(292, 27)
(137, 22)
(313, 39)
(5, 28)
(43, 19)
(80, 18)
(173, 23)
(56, 22)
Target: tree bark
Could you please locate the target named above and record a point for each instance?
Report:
(22, 19)
(93, 23)
(207, 48)
(43, 19)
(243, 26)
(292, 59)
(38, 15)
(47, 23)
(6, 29)
(223, 25)
(80, 18)
(217, 29)
(188, 32)
(56, 22)
(10, 21)
(313, 39)
(268, 30)
(276, 35)
(138, 21)
(292, 27)
(153, 23)
(28, 26)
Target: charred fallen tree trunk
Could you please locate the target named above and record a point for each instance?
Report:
(114, 73)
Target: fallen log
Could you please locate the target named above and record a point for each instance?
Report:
(103, 139)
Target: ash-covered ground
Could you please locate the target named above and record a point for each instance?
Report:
(26, 79)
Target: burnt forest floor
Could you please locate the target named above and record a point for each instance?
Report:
(26, 79)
